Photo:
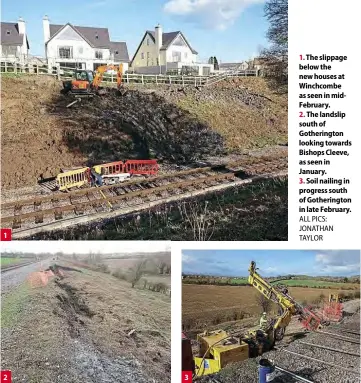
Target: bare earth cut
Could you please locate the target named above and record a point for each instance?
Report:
(86, 327)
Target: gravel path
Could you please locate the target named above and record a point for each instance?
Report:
(13, 278)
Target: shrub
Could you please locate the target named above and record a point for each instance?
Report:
(357, 294)
(103, 268)
(120, 274)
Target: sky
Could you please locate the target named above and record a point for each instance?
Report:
(231, 30)
(272, 262)
(84, 247)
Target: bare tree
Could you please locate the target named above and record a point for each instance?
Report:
(275, 58)
(263, 302)
(138, 271)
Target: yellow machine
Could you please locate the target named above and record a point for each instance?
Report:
(333, 298)
(218, 348)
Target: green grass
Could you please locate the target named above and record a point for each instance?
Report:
(312, 283)
(239, 281)
(12, 305)
(5, 261)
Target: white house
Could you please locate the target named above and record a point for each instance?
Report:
(82, 47)
(228, 67)
(14, 42)
(160, 52)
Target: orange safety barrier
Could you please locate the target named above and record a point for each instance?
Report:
(110, 168)
(141, 167)
(39, 279)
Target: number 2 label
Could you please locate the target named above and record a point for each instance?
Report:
(6, 376)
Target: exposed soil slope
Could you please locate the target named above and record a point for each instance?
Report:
(40, 135)
(78, 329)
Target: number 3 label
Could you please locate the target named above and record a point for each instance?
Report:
(6, 376)
(187, 376)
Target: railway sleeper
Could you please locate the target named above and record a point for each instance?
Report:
(39, 218)
(16, 223)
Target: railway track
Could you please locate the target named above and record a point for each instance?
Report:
(57, 207)
(3, 270)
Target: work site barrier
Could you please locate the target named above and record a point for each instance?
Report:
(73, 178)
(40, 278)
(110, 168)
(141, 167)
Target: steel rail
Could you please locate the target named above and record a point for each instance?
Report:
(338, 336)
(319, 361)
(114, 199)
(329, 348)
(82, 192)
(3, 270)
(200, 170)
(301, 378)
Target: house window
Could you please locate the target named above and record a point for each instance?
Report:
(147, 41)
(66, 52)
(9, 50)
(99, 55)
(142, 56)
(185, 55)
(80, 50)
(148, 55)
(176, 56)
(8, 32)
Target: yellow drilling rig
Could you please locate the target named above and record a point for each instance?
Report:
(219, 348)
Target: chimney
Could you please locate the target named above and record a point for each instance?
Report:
(46, 28)
(21, 26)
(158, 37)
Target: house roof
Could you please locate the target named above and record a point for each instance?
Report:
(10, 34)
(96, 37)
(169, 37)
(120, 50)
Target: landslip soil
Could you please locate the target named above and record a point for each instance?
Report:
(40, 135)
(86, 327)
(211, 305)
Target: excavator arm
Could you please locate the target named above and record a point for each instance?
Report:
(102, 69)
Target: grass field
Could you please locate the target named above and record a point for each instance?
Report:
(317, 284)
(6, 261)
(210, 305)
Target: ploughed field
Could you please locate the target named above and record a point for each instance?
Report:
(207, 305)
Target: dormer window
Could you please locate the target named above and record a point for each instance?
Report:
(116, 52)
(8, 32)
(96, 36)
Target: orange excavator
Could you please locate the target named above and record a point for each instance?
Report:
(86, 82)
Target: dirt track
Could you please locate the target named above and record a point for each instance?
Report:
(76, 330)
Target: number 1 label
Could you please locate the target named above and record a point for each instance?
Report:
(5, 234)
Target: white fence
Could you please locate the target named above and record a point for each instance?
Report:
(128, 78)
